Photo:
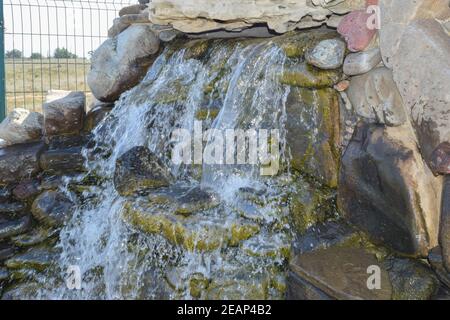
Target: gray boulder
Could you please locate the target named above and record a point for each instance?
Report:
(421, 71)
(21, 126)
(115, 68)
(327, 54)
(374, 97)
(361, 62)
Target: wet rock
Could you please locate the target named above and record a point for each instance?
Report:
(11, 208)
(306, 76)
(9, 228)
(64, 116)
(62, 161)
(26, 189)
(444, 232)
(139, 170)
(5, 193)
(96, 115)
(340, 273)
(22, 291)
(19, 162)
(37, 259)
(193, 233)
(6, 251)
(411, 279)
(184, 201)
(327, 54)
(310, 204)
(52, 208)
(21, 126)
(361, 62)
(437, 263)
(353, 27)
(387, 190)
(4, 274)
(374, 96)
(115, 68)
(322, 236)
(426, 101)
(313, 133)
(34, 237)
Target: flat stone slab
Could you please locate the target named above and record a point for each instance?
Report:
(341, 273)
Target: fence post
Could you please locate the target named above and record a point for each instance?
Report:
(2, 65)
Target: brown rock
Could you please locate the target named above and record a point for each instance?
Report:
(440, 159)
(64, 116)
(341, 273)
(387, 190)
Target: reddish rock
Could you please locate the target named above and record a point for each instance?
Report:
(353, 29)
(26, 189)
(342, 86)
(440, 159)
(371, 3)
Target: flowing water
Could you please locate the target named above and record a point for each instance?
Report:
(118, 258)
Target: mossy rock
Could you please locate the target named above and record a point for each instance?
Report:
(296, 43)
(38, 259)
(197, 49)
(242, 231)
(198, 284)
(307, 76)
(191, 233)
(310, 204)
(206, 114)
(313, 133)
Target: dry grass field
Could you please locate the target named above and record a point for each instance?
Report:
(28, 80)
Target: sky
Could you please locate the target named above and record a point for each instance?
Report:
(41, 26)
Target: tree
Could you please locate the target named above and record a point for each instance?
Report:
(13, 54)
(36, 55)
(63, 53)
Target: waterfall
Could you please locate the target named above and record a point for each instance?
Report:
(116, 259)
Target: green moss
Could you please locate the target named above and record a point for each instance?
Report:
(198, 284)
(307, 76)
(240, 232)
(205, 114)
(197, 49)
(174, 229)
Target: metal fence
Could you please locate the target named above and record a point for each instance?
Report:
(47, 46)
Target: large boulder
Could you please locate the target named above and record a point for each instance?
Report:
(19, 162)
(21, 126)
(387, 190)
(375, 97)
(64, 116)
(139, 170)
(395, 17)
(347, 272)
(195, 16)
(115, 68)
(421, 71)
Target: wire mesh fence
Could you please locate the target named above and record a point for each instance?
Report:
(48, 44)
